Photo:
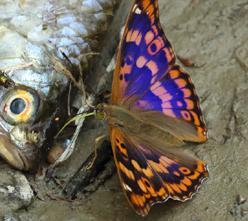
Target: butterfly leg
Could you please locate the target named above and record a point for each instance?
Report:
(187, 62)
(98, 142)
(88, 179)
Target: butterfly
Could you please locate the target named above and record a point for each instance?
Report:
(153, 110)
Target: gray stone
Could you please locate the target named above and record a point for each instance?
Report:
(15, 191)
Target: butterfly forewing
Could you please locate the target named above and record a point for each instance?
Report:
(146, 78)
(144, 55)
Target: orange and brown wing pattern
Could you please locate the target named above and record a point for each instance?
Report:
(149, 177)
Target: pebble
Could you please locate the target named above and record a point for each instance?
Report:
(241, 199)
(15, 190)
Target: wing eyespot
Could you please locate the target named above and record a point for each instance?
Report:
(185, 170)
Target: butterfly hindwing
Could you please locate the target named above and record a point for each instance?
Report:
(135, 175)
(148, 177)
(144, 54)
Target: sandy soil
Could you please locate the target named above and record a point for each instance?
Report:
(214, 35)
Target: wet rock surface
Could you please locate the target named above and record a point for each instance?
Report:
(213, 34)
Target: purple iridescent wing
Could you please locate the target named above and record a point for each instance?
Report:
(144, 55)
(174, 96)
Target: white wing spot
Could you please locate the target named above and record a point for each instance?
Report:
(126, 187)
(137, 10)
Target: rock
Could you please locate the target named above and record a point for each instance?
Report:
(15, 191)
(241, 199)
(9, 218)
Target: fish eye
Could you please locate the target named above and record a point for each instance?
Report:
(20, 106)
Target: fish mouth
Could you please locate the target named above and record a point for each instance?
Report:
(21, 159)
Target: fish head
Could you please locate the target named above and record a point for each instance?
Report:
(32, 100)
(28, 119)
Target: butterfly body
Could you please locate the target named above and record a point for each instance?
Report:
(136, 125)
(153, 110)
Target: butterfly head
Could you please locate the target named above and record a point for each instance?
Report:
(100, 113)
